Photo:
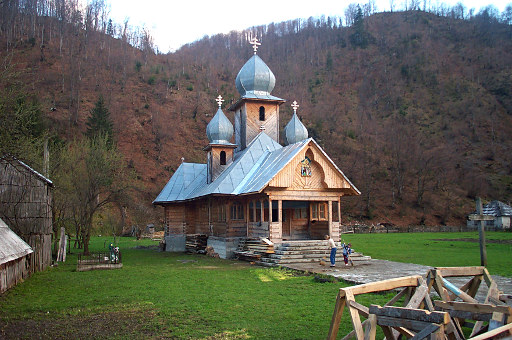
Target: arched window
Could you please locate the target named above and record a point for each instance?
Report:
(262, 113)
(223, 158)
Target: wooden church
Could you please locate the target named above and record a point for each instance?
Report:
(255, 187)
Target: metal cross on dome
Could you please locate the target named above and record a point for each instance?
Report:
(255, 43)
(295, 106)
(219, 100)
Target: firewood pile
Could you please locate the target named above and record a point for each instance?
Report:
(454, 316)
(211, 252)
(252, 249)
(196, 243)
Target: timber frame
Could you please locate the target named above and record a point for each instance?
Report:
(420, 318)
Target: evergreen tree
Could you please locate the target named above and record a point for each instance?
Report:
(99, 123)
(360, 38)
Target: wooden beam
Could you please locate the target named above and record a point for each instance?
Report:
(418, 297)
(354, 313)
(363, 310)
(426, 332)
(507, 329)
(481, 234)
(460, 271)
(477, 217)
(336, 315)
(406, 324)
(410, 314)
(385, 285)
(473, 307)
(371, 327)
(397, 297)
(451, 287)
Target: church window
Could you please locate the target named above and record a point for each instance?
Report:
(223, 158)
(237, 211)
(318, 211)
(262, 113)
(300, 214)
(221, 213)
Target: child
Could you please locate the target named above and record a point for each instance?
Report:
(332, 246)
(347, 250)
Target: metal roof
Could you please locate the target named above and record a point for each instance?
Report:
(255, 77)
(295, 131)
(497, 209)
(219, 130)
(12, 247)
(251, 171)
(14, 161)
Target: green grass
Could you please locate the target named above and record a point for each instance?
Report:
(189, 296)
(166, 295)
(429, 249)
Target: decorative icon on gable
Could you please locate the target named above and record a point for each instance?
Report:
(305, 169)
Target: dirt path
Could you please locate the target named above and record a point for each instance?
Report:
(377, 270)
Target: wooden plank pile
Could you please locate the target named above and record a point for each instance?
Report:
(196, 243)
(252, 249)
(419, 318)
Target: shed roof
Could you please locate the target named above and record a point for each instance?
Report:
(12, 247)
(251, 171)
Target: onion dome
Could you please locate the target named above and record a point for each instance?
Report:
(255, 77)
(219, 129)
(295, 131)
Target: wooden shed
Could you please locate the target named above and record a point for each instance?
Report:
(26, 199)
(13, 258)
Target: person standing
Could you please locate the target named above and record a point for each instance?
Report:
(347, 250)
(332, 246)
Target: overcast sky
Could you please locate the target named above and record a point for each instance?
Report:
(174, 23)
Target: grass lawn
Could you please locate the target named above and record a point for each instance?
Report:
(438, 249)
(163, 295)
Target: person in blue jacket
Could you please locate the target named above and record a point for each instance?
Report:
(347, 250)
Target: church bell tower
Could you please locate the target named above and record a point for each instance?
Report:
(256, 110)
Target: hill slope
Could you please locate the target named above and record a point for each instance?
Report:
(416, 109)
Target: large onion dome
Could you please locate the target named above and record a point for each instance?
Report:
(295, 131)
(219, 129)
(255, 78)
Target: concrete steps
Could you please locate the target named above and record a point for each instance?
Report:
(289, 252)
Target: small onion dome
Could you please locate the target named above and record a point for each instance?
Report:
(295, 131)
(255, 77)
(219, 129)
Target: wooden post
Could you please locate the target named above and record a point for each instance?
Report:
(329, 212)
(339, 212)
(269, 211)
(481, 234)
(254, 217)
(262, 210)
(280, 211)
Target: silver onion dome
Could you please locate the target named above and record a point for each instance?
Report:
(219, 129)
(255, 77)
(295, 131)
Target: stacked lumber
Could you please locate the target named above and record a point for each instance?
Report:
(196, 243)
(253, 249)
(452, 317)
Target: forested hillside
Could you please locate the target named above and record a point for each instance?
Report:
(414, 107)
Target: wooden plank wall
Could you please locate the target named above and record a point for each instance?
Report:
(253, 122)
(324, 175)
(26, 207)
(217, 168)
(12, 272)
(175, 219)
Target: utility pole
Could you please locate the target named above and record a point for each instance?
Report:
(481, 232)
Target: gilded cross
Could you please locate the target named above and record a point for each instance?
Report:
(295, 106)
(219, 100)
(254, 42)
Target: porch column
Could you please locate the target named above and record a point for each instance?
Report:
(339, 211)
(247, 219)
(280, 211)
(262, 210)
(269, 211)
(329, 213)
